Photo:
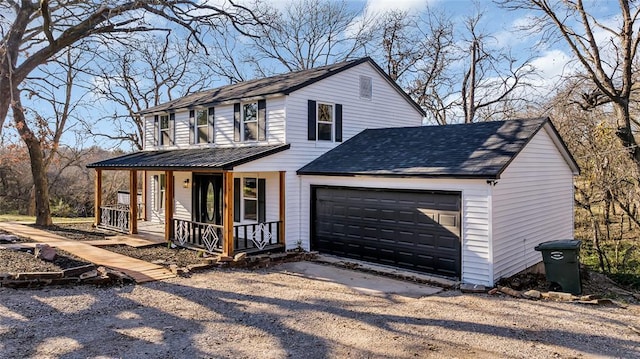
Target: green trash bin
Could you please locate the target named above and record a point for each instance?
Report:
(562, 263)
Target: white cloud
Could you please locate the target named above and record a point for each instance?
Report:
(551, 67)
(382, 6)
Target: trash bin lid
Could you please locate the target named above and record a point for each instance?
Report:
(560, 244)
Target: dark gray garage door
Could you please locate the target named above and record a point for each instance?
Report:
(409, 229)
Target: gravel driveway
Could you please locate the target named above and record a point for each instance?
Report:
(277, 314)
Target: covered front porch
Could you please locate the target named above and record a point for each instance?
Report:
(210, 208)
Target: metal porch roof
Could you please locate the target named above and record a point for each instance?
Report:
(193, 158)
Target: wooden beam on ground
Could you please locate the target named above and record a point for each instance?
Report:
(227, 217)
(97, 196)
(282, 237)
(133, 202)
(168, 205)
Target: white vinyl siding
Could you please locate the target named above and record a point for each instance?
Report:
(223, 129)
(154, 214)
(532, 203)
(476, 266)
(183, 200)
(182, 204)
(388, 108)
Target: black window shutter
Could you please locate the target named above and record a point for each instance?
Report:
(338, 128)
(311, 120)
(262, 205)
(236, 199)
(172, 128)
(212, 119)
(192, 127)
(156, 129)
(262, 120)
(236, 122)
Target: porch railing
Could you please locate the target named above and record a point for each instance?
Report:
(256, 236)
(247, 237)
(115, 218)
(203, 235)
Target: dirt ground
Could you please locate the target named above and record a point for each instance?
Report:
(272, 313)
(23, 261)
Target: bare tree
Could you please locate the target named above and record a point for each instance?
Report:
(143, 73)
(418, 51)
(306, 34)
(494, 78)
(609, 63)
(42, 135)
(607, 188)
(41, 29)
(36, 32)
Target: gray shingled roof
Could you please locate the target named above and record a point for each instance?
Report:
(283, 84)
(209, 158)
(479, 150)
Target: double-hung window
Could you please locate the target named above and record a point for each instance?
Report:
(165, 130)
(202, 126)
(249, 199)
(250, 121)
(160, 182)
(250, 196)
(325, 122)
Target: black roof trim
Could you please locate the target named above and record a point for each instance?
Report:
(216, 158)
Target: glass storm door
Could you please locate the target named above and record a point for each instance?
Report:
(207, 198)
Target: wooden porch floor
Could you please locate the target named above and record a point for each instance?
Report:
(141, 271)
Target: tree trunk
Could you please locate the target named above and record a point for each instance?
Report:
(624, 131)
(38, 168)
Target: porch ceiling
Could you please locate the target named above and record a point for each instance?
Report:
(185, 159)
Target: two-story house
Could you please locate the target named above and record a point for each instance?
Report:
(335, 159)
(222, 163)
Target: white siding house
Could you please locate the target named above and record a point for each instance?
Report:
(335, 159)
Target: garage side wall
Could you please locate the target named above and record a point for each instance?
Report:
(476, 254)
(532, 203)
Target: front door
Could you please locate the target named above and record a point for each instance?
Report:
(207, 201)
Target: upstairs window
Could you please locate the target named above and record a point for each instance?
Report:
(201, 122)
(250, 121)
(165, 130)
(163, 126)
(325, 122)
(202, 126)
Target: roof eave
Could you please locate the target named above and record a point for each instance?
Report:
(400, 175)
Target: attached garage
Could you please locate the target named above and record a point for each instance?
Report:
(418, 230)
(464, 201)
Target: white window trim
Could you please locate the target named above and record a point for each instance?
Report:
(243, 198)
(332, 123)
(161, 130)
(160, 191)
(196, 134)
(242, 122)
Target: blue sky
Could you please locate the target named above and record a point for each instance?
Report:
(551, 61)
